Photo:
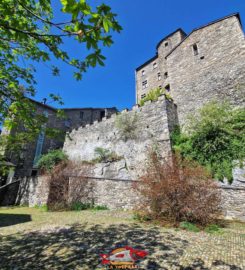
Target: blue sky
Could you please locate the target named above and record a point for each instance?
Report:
(144, 24)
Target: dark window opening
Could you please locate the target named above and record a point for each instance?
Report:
(34, 173)
(102, 114)
(144, 84)
(202, 57)
(165, 75)
(166, 44)
(143, 96)
(160, 87)
(167, 87)
(143, 72)
(195, 49)
(81, 115)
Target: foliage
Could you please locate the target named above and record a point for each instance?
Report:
(213, 228)
(79, 206)
(215, 138)
(42, 207)
(178, 190)
(153, 95)
(48, 161)
(189, 226)
(100, 207)
(30, 33)
(127, 124)
(69, 187)
(105, 155)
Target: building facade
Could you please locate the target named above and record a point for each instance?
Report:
(207, 64)
(25, 162)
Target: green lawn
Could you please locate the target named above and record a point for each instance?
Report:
(34, 239)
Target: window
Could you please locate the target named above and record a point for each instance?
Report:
(154, 65)
(143, 72)
(165, 75)
(195, 49)
(102, 114)
(143, 96)
(167, 87)
(160, 87)
(81, 115)
(166, 44)
(159, 76)
(144, 84)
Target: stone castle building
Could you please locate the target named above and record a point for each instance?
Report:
(208, 63)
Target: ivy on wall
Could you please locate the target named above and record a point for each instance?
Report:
(215, 137)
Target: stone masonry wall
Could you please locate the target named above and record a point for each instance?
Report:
(152, 131)
(217, 72)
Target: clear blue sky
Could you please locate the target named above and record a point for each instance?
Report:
(144, 24)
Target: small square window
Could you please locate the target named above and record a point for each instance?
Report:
(144, 84)
(154, 65)
(166, 44)
(159, 76)
(165, 75)
(143, 96)
(143, 72)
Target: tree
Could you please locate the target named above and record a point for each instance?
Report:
(29, 31)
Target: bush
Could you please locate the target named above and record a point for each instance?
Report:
(213, 228)
(79, 206)
(105, 155)
(189, 226)
(153, 95)
(214, 138)
(69, 187)
(48, 161)
(127, 125)
(178, 190)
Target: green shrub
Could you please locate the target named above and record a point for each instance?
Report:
(213, 228)
(189, 226)
(48, 161)
(153, 95)
(100, 207)
(214, 137)
(79, 206)
(42, 207)
(105, 155)
(141, 217)
(127, 124)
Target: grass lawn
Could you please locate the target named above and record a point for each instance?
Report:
(31, 238)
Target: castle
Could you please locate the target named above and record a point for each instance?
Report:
(208, 64)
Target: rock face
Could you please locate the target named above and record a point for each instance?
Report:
(153, 123)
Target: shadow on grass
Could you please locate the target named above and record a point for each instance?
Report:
(13, 219)
(79, 247)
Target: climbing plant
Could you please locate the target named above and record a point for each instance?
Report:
(215, 137)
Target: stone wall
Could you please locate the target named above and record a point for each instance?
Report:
(151, 131)
(151, 73)
(233, 196)
(215, 73)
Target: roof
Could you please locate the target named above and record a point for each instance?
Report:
(68, 109)
(147, 62)
(178, 30)
(87, 108)
(206, 25)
